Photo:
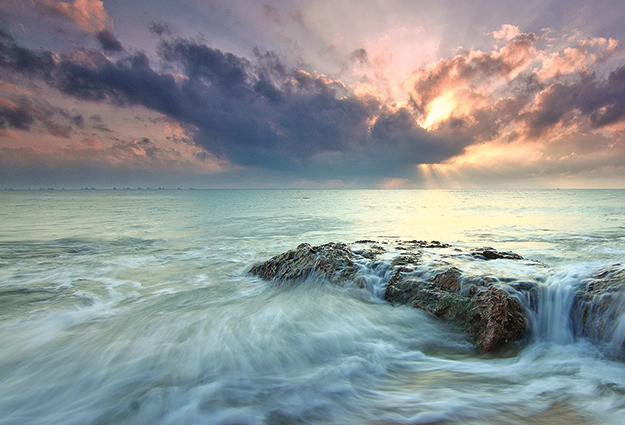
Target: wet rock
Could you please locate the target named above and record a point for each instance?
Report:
(425, 244)
(600, 304)
(371, 253)
(449, 306)
(405, 259)
(437, 244)
(491, 316)
(333, 261)
(488, 253)
(523, 286)
(449, 280)
(502, 316)
(416, 242)
(487, 313)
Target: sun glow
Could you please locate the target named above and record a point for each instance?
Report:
(439, 110)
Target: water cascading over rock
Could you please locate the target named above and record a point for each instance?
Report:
(599, 307)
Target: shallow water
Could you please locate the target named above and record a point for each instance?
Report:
(135, 307)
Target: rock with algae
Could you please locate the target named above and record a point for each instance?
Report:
(488, 314)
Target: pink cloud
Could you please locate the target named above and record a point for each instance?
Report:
(507, 32)
(89, 15)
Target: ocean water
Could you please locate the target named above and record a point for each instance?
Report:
(136, 307)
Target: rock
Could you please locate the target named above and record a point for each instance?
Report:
(452, 307)
(600, 303)
(487, 313)
(333, 261)
(425, 244)
(503, 317)
(437, 244)
(416, 242)
(488, 253)
(405, 259)
(449, 281)
(371, 253)
(492, 317)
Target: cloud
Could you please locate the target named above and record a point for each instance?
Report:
(585, 159)
(360, 56)
(89, 15)
(160, 28)
(472, 71)
(258, 113)
(108, 41)
(95, 163)
(520, 85)
(399, 133)
(24, 114)
(21, 60)
(524, 110)
(506, 33)
(585, 103)
(58, 130)
(272, 14)
(13, 116)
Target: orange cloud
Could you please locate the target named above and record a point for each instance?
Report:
(452, 88)
(576, 59)
(524, 113)
(89, 15)
(507, 32)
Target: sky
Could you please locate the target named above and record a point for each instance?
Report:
(301, 94)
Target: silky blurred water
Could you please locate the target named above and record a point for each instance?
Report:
(135, 307)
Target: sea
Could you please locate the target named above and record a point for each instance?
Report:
(137, 307)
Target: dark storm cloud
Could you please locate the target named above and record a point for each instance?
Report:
(78, 121)
(108, 42)
(602, 102)
(22, 60)
(127, 81)
(25, 114)
(18, 118)
(606, 103)
(259, 114)
(399, 132)
(160, 28)
(204, 64)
